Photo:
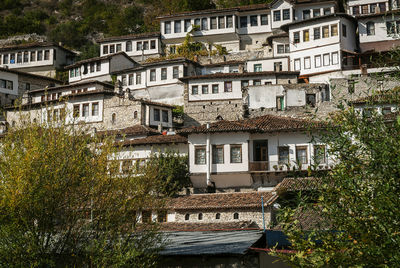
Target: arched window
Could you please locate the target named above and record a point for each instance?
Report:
(200, 216)
(113, 118)
(217, 216)
(236, 216)
(128, 46)
(187, 216)
(135, 115)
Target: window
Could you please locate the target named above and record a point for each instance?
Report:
(217, 154)
(119, 47)
(12, 58)
(297, 65)
(163, 73)
(326, 59)
(177, 26)
(187, 25)
(139, 46)
(364, 9)
(280, 103)
(105, 49)
(277, 15)
(221, 22)
(281, 49)
(200, 217)
(46, 54)
(254, 20)
(390, 27)
(167, 27)
(257, 82)
(146, 216)
(235, 216)
(197, 23)
(138, 78)
(334, 30)
(215, 89)
(382, 7)
(306, 35)
(156, 115)
(327, 11)
(386, 110)
(317, 60)
(228, 86)
(356, 10)
(76, 111)
(165, 117)
(319, 154)
(306, 14)
(153, 44)
(98, 66)
(317, 33)
(200, 155)
(92, 65)
(316, 12)
(370, 28)
(283, 154)
(26, 56)
(301, 155)
(344, 30)
(325, 32)
(213, 23)
(85, 110)
(296, 37)
(195, 90)
(244, 83)
(204, 89)
(264, 19)
(71, 73)
(372, 8)
(112, 48)
(130, 79)
(236, 153)
(175, 72)
(162, 216)
(187, 217)
(5, 59)
(307, 63)
(124, 80)
(129, 46)
(335, 58)
(19, 57)
(95, 109)
(243, 22)
(278, 66)
(217, 216)
(257, 67)
(152, 75)
(146, 45)
(229, 21)
(286, 14)
(204, 24)
(310, 100)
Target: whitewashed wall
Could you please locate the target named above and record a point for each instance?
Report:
(10, 77)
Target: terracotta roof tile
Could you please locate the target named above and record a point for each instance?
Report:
(266, 123)
(156, 139)
(186, 227)
(298, 184)
(32, 45)
(221, 201)
(133, 130)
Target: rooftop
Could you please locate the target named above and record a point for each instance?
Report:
(266, 123)
(79, 63)
(75, 85)
(201, 226)
(128, 37)
(285, 27)
(30, 75)
(237, 75)
(156, 139)
(298, 184)
(133, 130)
(221, 201)
(33, 45)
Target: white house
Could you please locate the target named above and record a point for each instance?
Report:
(365, 7)
(99, 68)
(158, 80)
(253, 152)
(322, 44)
(137, 46)
(37, 58)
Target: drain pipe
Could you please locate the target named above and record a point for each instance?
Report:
(208, 158)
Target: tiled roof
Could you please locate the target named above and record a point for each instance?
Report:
(129, 37)
(237, 75)
(32, 45)
(133, 130)
(266, 123)
(75, 85)
(381, 97)
(221, 201)
(195, 226)
(156, 103)
(298, 184)
(109, 56)
(310, 218)
(8, 70)
(224, 63)
(156, 139)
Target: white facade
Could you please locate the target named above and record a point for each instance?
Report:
(275, 64)
(8, 83)
(363, 7)
(281, 13)
(313, 10)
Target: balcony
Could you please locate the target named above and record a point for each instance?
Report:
(277, 166)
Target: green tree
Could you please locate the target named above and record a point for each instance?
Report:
(360, 198)
(63, 202)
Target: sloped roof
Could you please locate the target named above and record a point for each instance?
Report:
(32, 45)
(298, 184)
(109, 56)
(221, 201)
(210, 226)
(133, 130)
(391, 96)
(156, 139)
(75, 85)
(237, 75)
(14, 71)
(128, 37)
(265, 123)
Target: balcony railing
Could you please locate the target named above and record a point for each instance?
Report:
(277, 166)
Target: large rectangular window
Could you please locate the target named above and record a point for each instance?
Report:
(177, 26)
(286, 14)
(213, 23)
(277, 15)
(153, 75)
(264, 19)
(254, 20)
(316, 12)
(243, 22)
(26, 56)
(164, 116)
(334, 30)
(163, 73)
(85, 110)
(195, 90)
(236, 153)
(167, 27)
(307, 63)
(5, 59)
(217, 154)
(228, 86)
(283, 154)
(200, 155)
(356, 10)
(204, 24)
(95, 109)
(105, 49)
(175, 72)
(317, 60)
(301, 155)
(258, 67)
(156, 115)
(39, 55)
(204, 89)
(19, 57)
(335, 58)
(130, 79)
(306, 35)
(297, 65)
(76, 110)
(370, 28)
(317, 33)
(306, 14)
(215, 89)
(296, 37)
(327, 59)
(221, 22)
(139, 46)
(138, 78)
(229, 21)
(119, 48)
(325, 32)
(188, 24)
(46, 54)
